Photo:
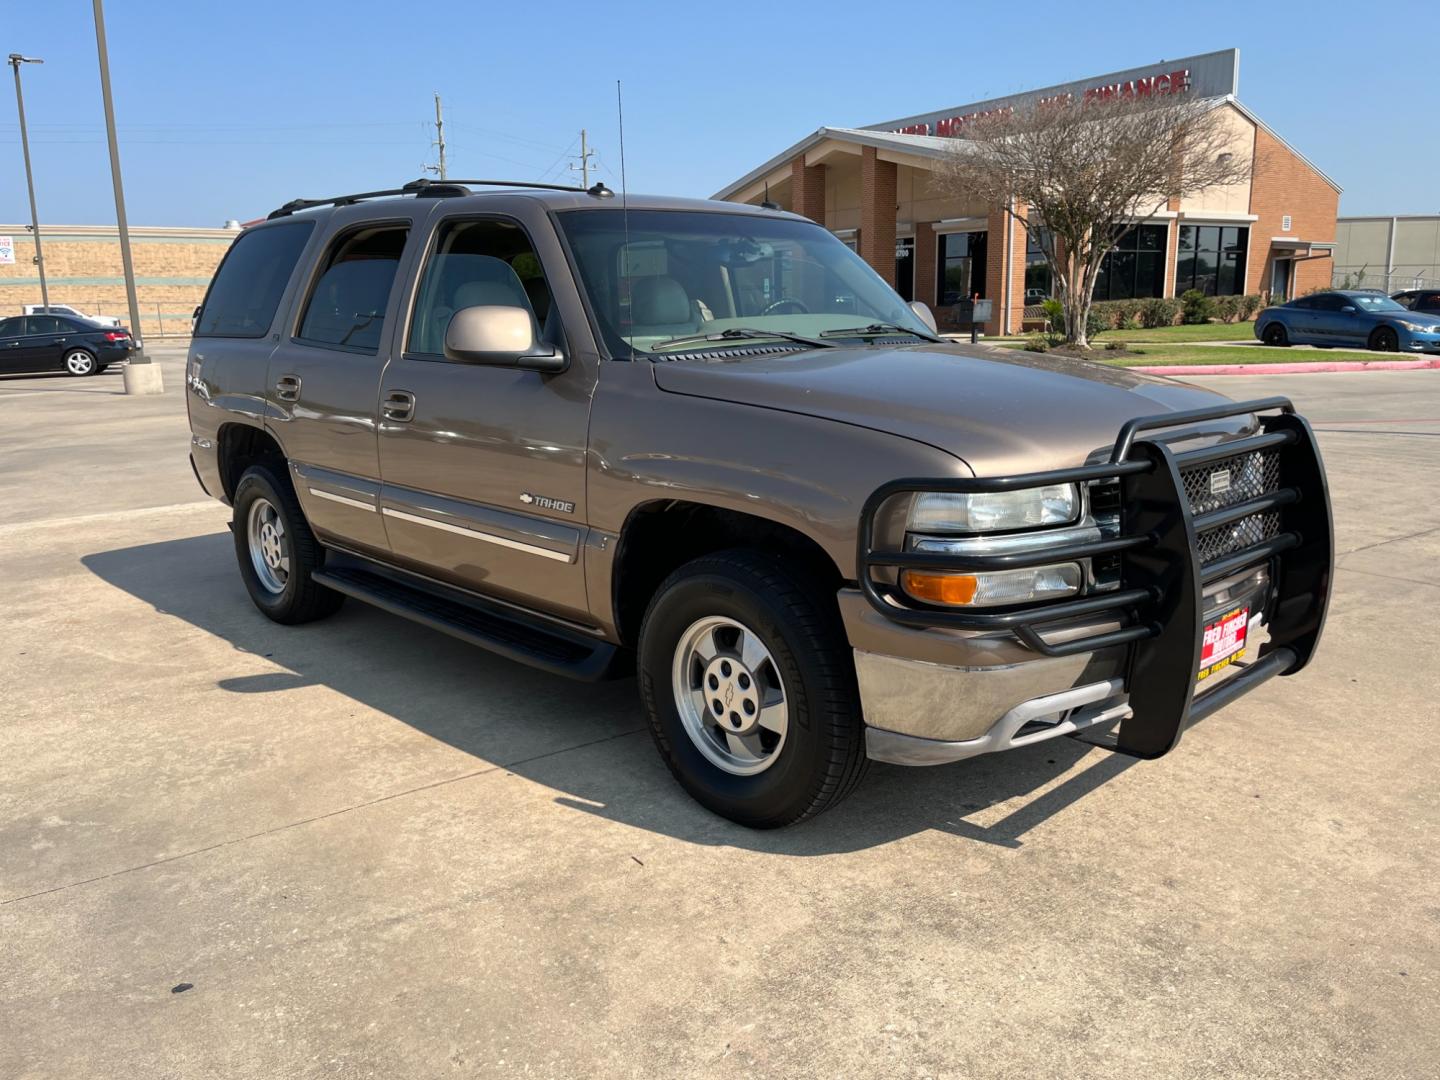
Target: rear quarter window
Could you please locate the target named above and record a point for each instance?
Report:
(252, 278)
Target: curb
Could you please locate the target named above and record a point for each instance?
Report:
(1317, 367)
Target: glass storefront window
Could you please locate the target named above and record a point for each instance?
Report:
(962, 266)
(1135, 266)
(1212, 259)
(1038, 285)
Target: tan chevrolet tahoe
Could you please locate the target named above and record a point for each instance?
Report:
(707, 445)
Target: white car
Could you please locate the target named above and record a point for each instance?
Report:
(66, 309)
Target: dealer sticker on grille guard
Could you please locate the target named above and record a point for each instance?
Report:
(1224, 641)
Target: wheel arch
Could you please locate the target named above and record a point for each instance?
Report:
(240, 445)
(661, 535)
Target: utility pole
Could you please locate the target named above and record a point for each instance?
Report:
(584, 167)
(15, 61)
(142, 376)
(440, 135)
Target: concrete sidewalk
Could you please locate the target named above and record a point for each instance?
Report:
(376, 852)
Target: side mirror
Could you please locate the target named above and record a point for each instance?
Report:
(924, 314)
(1348, 309)
(499, 336)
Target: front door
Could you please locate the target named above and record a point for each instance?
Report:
(324, 376)
(1280, 280)
(483, 466)
(905, 268)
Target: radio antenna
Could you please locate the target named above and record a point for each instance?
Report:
(625, 214)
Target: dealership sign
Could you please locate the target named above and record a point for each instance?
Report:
(1211, 75)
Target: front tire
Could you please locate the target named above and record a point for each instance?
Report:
(277, 551)
(1384, 339)
(81, 363)
(749, 687)
(1275, 336)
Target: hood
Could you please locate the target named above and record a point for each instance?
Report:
(1011, 413)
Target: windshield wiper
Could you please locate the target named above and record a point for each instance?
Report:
(878, 329)
(744, 333)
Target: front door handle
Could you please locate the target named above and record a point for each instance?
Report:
(287, 388)
(399, 405)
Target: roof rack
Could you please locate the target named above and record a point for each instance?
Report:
(433, 189)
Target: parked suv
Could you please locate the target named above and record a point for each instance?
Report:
(706, 443)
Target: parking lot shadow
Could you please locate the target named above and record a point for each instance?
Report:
(585, 741)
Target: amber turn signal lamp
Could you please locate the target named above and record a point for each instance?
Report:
(956, 589)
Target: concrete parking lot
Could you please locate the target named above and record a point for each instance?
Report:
(370, 850)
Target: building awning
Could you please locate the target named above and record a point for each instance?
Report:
(1289, 245)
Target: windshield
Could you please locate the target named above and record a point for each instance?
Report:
(688, 273)
(1376, 303)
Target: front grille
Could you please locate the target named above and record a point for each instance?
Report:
(1225, 483)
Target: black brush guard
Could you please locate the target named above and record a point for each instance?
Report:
(1159, 602)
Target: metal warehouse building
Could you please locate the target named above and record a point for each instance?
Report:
(874, 186)
(1390, 253)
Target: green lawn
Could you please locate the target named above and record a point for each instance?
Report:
(1239, 331)
(1220, 354)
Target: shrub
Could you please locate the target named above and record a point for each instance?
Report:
(1037, 343)
(1096, 324)
(1197, 306)
(1054, 315)
(1114, 346)
(1250, 304)
(1159, 311)
(1227, 308)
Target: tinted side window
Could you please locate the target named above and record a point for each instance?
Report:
(44, 324)
(347, 305)
(247, 287)
(11, 327)
(474, 263)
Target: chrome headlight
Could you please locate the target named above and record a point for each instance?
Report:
(994, 511)
(1418, 327)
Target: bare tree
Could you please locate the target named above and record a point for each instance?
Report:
(1077, 174)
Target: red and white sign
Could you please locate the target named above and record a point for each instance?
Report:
(1224, 641)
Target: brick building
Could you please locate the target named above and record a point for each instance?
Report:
(173, 267)
(874, 187)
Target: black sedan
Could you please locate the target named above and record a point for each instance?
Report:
(34, 343)
(1426, 300)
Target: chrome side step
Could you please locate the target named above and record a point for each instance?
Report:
(490, 626)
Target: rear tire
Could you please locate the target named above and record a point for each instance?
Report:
(81, 363)
(1275, 336)
(749, 686)
(1384, 339)
(277, 551)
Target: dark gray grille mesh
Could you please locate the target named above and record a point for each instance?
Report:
(1250, 475)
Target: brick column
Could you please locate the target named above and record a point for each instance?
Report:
(926, 259)
(997, 263)
(807, 189)
(877, 213)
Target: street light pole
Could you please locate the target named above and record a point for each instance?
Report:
(15, 61)
(141, 375)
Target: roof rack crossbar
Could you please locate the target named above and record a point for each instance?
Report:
(427, 188)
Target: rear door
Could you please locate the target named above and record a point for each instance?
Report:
(325, 371)
(42, 348)
(484, 467)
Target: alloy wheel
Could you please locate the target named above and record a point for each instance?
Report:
(730, 695)
(269, 545)
(79, 362)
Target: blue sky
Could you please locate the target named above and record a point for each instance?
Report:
(226, 110)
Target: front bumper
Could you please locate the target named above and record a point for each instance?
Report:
(922, 713)
(939, 684)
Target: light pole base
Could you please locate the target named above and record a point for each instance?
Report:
(143, 377)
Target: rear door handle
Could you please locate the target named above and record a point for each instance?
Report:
(399, 405)
(287, 388)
